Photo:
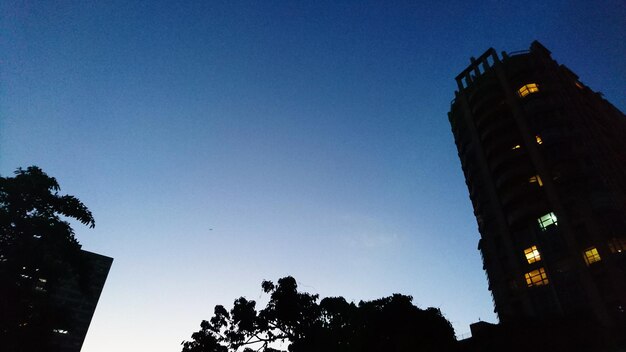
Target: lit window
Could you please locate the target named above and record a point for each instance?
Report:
(536, 278)
(592, 255)
(517, 146)
(538, 139)
(536, 179)
(580, 86)
(617, 245)
(528, 89)
(547, 220)
(60, 331)
(532, 254)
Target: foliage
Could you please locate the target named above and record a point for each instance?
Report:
(296, 319)
(38, 250)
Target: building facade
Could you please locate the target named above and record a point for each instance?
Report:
(544, 159)
(80, 303)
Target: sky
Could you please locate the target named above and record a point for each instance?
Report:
(222, 143)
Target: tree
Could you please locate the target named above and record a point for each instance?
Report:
(38, 251)
(296, 320)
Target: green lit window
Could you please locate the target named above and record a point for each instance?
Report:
(528, 89)
(536, 278)
(532, 254)
(617, 245)
(547, 220)
(592, 255)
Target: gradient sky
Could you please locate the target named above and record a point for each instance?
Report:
(222, 143)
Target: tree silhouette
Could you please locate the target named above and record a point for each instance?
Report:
(296, 320)
(38, 251)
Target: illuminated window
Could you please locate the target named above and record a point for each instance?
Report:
(580, 86)
(617, 245)
(517, 146)
(528, 89)
(592, 255)
(536, 278)
(532, 254)
(536, 179)
(547, 220)
(538, 139)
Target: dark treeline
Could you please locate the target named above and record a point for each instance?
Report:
(306, 324)
(38, 253)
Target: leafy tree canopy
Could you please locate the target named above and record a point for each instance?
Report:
(302, 323)
(38, 250)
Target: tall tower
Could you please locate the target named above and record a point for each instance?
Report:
(544, 159)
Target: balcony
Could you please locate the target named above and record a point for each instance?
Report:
(487, 87)
(501, 126)
(505, 158)
(535, 103)
(513, 174)
(488, 98)
(524, 213)
(490, 113)
(515, 194)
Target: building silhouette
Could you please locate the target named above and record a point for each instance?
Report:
(79, 303)
(544, 159)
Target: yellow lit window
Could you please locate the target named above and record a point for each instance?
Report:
(517, 146)
(536, 179)
(536, 278)
(547, 220)
(532, 254)
(539, 140)
(617, 245)
(592, 255)
(528, 89)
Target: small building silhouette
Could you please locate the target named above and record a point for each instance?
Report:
(80, 303)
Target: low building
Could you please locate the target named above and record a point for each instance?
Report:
(80, 303)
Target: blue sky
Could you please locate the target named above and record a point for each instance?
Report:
(222, 143)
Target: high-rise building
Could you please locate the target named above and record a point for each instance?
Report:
(544, 159)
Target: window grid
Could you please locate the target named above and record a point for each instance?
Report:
(532, 254)
(536, 278)
(528, 89)
(547, 220)
(592, 255)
